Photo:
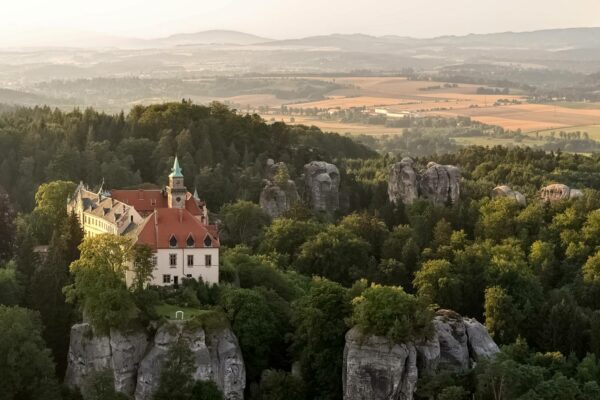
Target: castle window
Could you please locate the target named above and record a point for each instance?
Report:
(190, 260)
(190, 241)
(166, 278)
(173, 260)
(173, 241)
(208, 260)
(207, 241)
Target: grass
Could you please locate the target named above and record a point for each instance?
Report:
(168, 311)
(209, 320)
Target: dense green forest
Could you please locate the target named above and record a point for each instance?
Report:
(291, 287)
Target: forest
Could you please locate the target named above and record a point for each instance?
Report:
(291, 287)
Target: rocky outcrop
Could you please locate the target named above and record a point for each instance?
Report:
(506, 191)
(277, 197)
(558, 191)
(375, 368)
(439, 184)
(120, 352)
(322, 185)
(137, 359)
(217, 358)
(402, 182)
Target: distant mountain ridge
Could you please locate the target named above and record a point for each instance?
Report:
(540, 39)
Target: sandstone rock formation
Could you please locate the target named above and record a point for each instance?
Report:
(506, 191)
(89, 352)
(438, 183)
(322, 185)
(376, 369)
(402, 182)
(558, 191)
(277, 197)
(137, 360)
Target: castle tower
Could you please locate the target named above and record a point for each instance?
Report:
(176, 190)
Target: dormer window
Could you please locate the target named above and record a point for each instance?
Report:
(173, 241)
(190, 242)
(207, 241)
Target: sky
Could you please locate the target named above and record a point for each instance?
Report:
(30, 20)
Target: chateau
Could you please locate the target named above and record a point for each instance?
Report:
(171, 221)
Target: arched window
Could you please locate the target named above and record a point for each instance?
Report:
(173, 241)
(190, 241)
(207, 241)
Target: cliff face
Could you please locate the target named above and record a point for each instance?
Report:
(375, 368)
(137, 359)
(277, 198)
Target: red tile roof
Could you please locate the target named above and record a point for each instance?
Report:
(162, 224)
(146, 201)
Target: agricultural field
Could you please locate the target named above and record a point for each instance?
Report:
(397, 94)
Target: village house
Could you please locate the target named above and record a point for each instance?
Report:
(171, 221)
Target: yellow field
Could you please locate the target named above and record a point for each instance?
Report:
(334, 126)
(399, 94)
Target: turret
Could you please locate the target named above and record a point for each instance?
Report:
(176, 190)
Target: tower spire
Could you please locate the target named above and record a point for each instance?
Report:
(176, 170)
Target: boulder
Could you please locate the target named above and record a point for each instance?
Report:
(402, 182)
(137, 360)
(440, 184)
(558, 191)
(89, 352)
(506, 191)
(375, 368)
(322, 185)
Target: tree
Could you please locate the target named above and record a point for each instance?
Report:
(336, 254)
(206, 390)
(438, 282)
(319, 319)
(390, 312)
(51, 207)
(143, 266)
(369, 228)
(255, 326)
(99, 287)
(176, 376)
(10, 291)
(280, 385)
(7, 228)
(26, 365)
(242, 222)
(100, 385)
(286, 235)
(502, 318)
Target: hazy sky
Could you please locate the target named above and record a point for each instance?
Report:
(292, 18)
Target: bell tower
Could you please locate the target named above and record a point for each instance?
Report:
(176, 190)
